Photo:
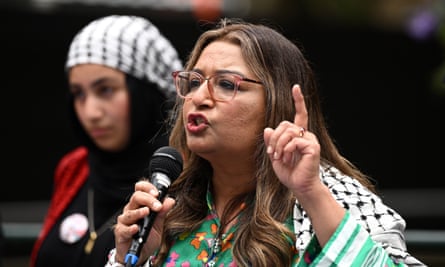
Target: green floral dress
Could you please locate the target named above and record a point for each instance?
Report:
(202, 247)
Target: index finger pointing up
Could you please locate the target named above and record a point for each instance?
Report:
(300, 118)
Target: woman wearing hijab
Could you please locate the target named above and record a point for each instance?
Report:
(120, 91)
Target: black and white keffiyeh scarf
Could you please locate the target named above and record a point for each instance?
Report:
(128, 43)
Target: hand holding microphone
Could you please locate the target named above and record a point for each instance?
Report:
(165, 166)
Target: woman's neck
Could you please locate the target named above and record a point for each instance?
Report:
(225, 189)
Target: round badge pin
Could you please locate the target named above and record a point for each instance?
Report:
(73, 228)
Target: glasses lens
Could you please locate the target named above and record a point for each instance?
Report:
(185, 82)
(224, 86)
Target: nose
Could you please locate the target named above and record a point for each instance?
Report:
(92, 108)
(202, 93)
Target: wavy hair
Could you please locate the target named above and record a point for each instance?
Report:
(279, 64)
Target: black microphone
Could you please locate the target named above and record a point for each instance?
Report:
(165, 166)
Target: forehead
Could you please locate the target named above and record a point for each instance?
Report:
(221, 55)
(93, 72)
(93, 69)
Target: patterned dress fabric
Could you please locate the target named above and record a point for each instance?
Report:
(370, 234)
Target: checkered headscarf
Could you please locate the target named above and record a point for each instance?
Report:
(130, 44)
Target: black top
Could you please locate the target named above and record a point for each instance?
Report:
(112, 177)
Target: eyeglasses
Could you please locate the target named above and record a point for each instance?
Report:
(222, 86)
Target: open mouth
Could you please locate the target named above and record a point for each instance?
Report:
(198, 121)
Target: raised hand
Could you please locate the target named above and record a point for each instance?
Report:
(293, 150)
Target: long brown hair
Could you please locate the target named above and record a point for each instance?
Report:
(279, 64)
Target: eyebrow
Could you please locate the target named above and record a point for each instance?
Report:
(101, 80)
(95, 83)
(220, 72)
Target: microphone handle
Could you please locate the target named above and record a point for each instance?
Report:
(140, 237)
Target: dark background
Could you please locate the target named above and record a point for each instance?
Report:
(382, 96)
(375, 83)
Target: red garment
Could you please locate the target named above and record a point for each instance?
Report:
(70, 174)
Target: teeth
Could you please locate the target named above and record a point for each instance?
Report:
(199, 121)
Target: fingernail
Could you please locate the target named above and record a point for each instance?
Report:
(269, 149)
(276, 155)
(157, 205)
(153, 192)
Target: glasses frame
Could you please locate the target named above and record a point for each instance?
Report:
(238, 80)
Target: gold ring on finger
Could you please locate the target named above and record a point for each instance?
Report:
(301, 132)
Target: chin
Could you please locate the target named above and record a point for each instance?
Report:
(112, 148)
